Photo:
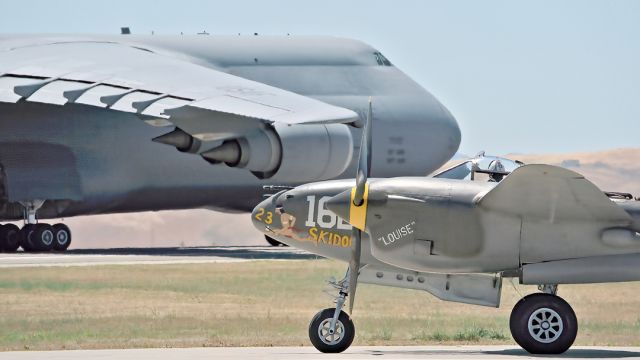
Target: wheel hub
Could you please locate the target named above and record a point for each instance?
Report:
(545, 325)
(327, 336)
(62, 237)
(47, 237)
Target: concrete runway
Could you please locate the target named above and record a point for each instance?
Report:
(355, 352)
(128, 256)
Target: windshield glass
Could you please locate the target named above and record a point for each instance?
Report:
(480, 168)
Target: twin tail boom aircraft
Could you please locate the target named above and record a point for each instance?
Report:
(458, 235)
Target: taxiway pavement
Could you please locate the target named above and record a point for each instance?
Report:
(297, 353)
(128, 256)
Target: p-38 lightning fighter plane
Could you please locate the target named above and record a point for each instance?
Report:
(458, 238)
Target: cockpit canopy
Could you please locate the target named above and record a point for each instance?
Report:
(480, 168)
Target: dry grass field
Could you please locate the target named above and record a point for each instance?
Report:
(262, 304)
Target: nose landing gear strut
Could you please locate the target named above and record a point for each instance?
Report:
(331, 330)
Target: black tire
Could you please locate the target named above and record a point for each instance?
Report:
(42, 237)
(344, 327)
(274, 242)
(62, 237)
(3, 242)
(24, 237)
(9, 237)
(543, 324)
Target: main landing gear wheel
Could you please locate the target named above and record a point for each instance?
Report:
(9, 241)
(543, 324)
(42, 237)
(62, 237)
(274, 242)
(24, 237)
(321, 336)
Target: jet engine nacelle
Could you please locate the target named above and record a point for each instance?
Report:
(289, 153)
(314, 152)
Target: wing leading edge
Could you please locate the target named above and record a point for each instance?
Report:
(162, 89)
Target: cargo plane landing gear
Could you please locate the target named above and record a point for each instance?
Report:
(61, 237)
(34, 236)
(44, 237)
(9, 240)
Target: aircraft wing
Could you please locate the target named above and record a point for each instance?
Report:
(554, 194)
(162, 88)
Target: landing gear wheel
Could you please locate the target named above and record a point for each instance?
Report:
(9, 237)
(24, 237)
(323, 340)
(274, 242)
(543, 324)
(42, 237)
(62, 237)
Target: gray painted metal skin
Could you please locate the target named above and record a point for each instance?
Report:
(546, 224)
(77, 115)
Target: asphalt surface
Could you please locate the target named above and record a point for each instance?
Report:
(355, 352)
(127, 256)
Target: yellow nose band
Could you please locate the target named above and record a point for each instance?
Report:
(358, 214)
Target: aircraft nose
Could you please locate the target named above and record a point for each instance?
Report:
(453, 133)
(445, 129)
(263, 214)
(418, 130)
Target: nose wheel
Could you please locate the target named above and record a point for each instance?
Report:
(543, 324)
(328, 340)
(331, 330)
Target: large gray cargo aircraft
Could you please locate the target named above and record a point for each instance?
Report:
(78, 115)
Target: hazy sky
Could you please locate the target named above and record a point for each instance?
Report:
(520, 76)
